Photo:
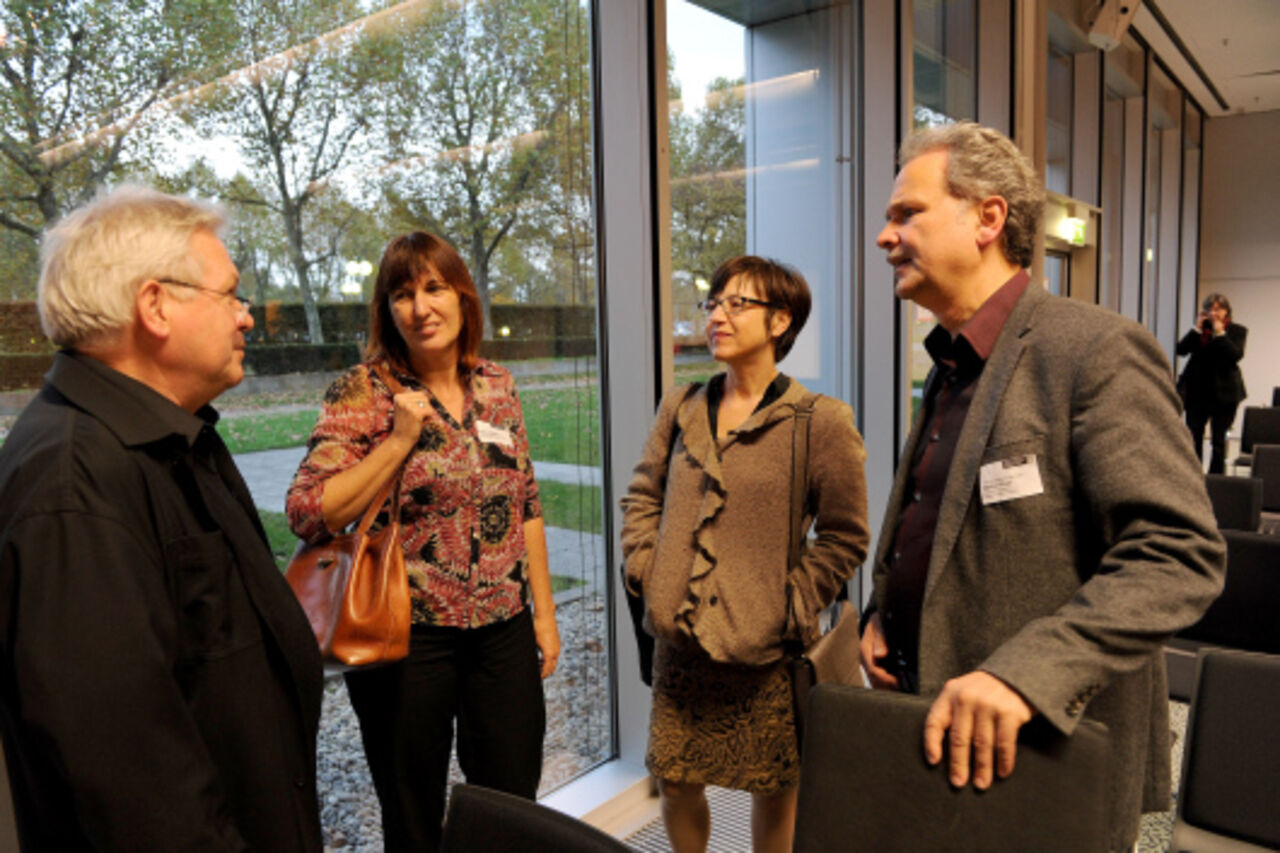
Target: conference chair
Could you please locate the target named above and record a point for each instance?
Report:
(864, 784)
(1243, 617)
(1261, 426)
(1275, 396)
(1266, 467)
(1231, 761)
(1237, 501)
(480, 819)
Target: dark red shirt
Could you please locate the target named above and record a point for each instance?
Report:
(957, 366)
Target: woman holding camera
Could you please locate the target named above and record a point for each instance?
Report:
(1211, 385)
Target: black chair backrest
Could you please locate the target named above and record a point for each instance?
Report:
(1237, 501)
(864, 784)
(1231, 762)
(1244, 616)
(1275, 396)
(1261, 426)
(1266, 467)
(480, 819)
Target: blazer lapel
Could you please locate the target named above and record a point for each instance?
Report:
(963, 475)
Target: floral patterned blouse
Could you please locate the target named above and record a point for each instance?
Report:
(468, 489)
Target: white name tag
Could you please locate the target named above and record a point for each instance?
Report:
(490, 434)
(1008, 479)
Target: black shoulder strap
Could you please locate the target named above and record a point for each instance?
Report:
(799, 474)
(675, 419)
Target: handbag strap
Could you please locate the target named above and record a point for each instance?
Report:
(392, 487)
(799, 476)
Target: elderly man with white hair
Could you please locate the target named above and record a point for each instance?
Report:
(159, 685)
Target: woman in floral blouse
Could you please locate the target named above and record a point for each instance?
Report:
(473, 538)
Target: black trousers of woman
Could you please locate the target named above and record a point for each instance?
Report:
(1220, 420)
(488, 680)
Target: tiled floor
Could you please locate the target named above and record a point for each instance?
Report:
(730, 825)
(731, 810)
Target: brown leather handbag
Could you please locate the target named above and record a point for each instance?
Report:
(354, 587)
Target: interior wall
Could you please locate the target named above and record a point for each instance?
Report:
(1239, 248)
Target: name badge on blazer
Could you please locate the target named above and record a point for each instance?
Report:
(1010, 479)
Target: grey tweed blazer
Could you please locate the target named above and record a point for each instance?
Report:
(1068, 595)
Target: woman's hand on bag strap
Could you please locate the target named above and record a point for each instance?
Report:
(411, 411)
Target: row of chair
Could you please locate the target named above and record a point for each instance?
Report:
(1261, 425)
(864, 783)
(1248, 503)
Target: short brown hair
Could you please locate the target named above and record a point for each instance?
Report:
(780, 285)
(407, 258)
(982, 162)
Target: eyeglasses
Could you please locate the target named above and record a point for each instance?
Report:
(731, 304)
(242, 303)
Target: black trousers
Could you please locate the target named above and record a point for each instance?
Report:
(488, 680)
(1219, 420)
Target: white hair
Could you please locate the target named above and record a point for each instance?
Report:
(94, 259)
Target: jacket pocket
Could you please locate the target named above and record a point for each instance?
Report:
(211, 607)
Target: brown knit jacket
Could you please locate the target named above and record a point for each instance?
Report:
(705, 537)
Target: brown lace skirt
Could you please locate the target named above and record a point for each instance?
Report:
(720, 724)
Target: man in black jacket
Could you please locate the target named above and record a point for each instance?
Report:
(159, 685)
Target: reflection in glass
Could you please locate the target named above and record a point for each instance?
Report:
(1191, 154)
(1112, 222)
(707, 164)
(325, 129)
(1057, 273)
(945, 90)
(944, 61)
(1159, 269)
(1059, 109)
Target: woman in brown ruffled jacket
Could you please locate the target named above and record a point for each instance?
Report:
(706, 538)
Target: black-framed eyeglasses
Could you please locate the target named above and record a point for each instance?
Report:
(731, 304)
(243, 303)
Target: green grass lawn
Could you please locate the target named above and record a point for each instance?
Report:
(563, 424)
(279, 536)
(267, 432)
(570, 506)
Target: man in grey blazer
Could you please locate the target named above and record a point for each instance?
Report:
(1048, 527)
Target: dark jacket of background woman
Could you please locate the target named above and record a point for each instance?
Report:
(1212, 380)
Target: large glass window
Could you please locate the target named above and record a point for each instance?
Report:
(945, 82)
(759, 162)
(706, 99)
(944, 71)
(1161, 231)
(1192, 126)
(1059, 108)
(1121, 168)
(326, 128)
(1112, 236)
